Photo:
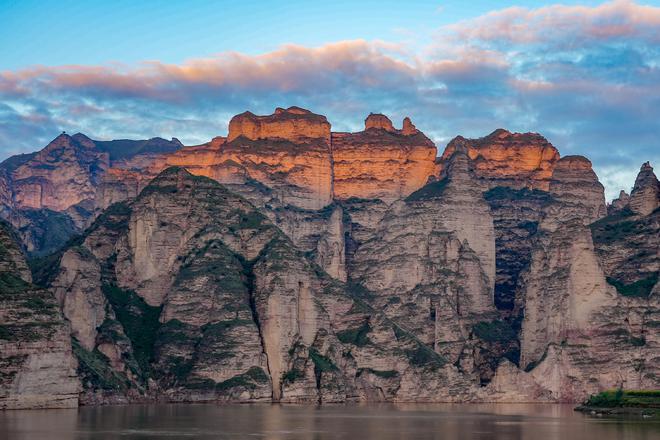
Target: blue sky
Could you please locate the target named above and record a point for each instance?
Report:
(585, 74)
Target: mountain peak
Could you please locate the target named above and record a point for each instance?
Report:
(645, 195)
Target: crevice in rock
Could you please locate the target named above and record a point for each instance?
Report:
(248, 271)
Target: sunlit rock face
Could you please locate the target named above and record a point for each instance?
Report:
(62, 174)
(289, 151)
(294, 124)
(69, 169)
(382, 162)
(516, 160)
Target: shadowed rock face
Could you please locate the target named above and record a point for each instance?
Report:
(575, 184)
(36, 360)
(230, 309)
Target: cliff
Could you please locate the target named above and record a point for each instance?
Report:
(228, 307)
(381, 162)
(288, 263)
(515, 160)
(36, 360)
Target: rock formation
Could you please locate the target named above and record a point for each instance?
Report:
(288, 263)
(515, 160)
(36, 362)
(645, 196)
(381, 162)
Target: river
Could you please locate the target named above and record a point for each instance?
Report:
(382, 422)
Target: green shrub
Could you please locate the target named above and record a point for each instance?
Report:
(139, 320)
(494, 331)
(622, 398)
(356, 336)
(640, 288)
(321, 363)
(95, 371)
(422, 356)
(385, 374)
(506, 193)
(250, 379)
(292, 375)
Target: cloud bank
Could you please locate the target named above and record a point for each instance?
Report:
(588, 78)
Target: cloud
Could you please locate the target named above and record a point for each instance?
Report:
(560, 24)
(585, 77)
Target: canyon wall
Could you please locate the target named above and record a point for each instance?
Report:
(286, 262)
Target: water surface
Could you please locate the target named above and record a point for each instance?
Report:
(382, 422)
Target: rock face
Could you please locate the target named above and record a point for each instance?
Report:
(293, 152)
(288, 263)
(515, 160)
(619, 203)
(36, 361)
(54, 190)
(577, 187)
(645, 196)
(381, 162)
(230, 309)
(576, 315)
(61, 175)
(293, 124)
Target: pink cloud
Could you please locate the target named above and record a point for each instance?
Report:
(618, 18)
(290, 68)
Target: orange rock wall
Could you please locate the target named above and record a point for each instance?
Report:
(510, 159)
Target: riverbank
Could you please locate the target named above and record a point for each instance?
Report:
(640, 403)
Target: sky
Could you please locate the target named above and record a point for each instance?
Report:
(584, 74)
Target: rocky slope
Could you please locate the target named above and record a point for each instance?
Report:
(286, 262)
(590, 302)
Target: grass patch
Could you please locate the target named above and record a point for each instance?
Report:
(252, 378)
(506, 193)
(615, 227)
(292, 375)
(95, 372)
(321, 363)
(422, 356)
(386, 374)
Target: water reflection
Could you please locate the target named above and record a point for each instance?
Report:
(278, 422)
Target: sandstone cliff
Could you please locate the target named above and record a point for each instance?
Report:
(381, 162)
(36, 361)
(188, 293)
(289, 263)
(515, 160)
